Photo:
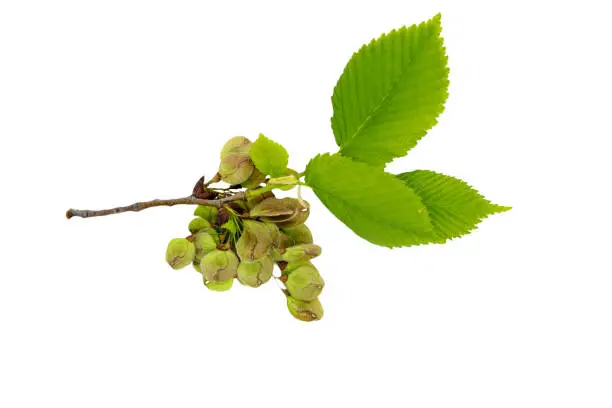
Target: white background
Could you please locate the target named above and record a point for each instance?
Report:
(106, 103)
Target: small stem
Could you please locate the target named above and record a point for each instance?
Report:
(190, 200)
(265, 189)
(300, 199)
(259, 191)
(284, 180)
(216, 178)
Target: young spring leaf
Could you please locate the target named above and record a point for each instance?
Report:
(376, 205)
(269, 157)
(454, 207)
(391, 93)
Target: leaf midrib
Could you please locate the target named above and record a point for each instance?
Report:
(374, 111)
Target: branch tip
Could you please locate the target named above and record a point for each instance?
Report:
(189, 200)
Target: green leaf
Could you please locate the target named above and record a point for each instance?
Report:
(269, 157)
(376, 205)
(454, 207)
(391, 93)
